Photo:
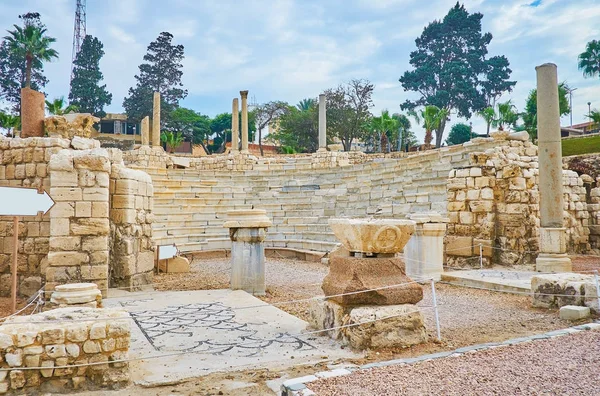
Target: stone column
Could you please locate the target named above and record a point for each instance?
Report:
(145, 131)
(322, 123)
(424, 252)
(248, 230)
(244, 95)
(235, 126)
(553, 244)
(156, 120)
(32, 113)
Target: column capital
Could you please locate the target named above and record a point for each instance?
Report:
(244, 94)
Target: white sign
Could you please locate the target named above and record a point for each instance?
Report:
(167, 252)
(23, 201)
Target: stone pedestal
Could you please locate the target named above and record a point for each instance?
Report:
(32, 113)
(174, 265)
(235, 126)
(552, 257)
(156, 120)
(145, 131)
(401, 325)
(424, 252)
(77, 295)
(353, 274)
(248, 230)
(368, 288)
(244, 95)
(322, 123)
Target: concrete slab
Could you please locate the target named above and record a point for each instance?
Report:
(502, 280)
(207, 331)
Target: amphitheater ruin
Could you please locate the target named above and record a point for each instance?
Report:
(473, 206)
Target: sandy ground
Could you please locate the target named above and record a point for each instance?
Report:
(561, 366)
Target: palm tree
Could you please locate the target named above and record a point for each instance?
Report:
(594, 116)
(589, 60)
(306, 104)
(9, 122)
(172, 140)
(56, 107)
(32, 44)
(432, 117)
(403, 127)
(489, 115)
(506, 115)
(383, 125)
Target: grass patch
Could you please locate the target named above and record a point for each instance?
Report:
(579, 146)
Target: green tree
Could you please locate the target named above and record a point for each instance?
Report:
(86, 91)
(57, 107)
(299, 130)
(589, 60)
(32, 44)
(13, 68)
(265, 114)
(306, 104)
(383, 125)
(594, 116)
(172, 140)
(459, 134)
(192, 125)
(530, 114)
(507, 115)
(431, 117)
(496, 83)
(9, 122)
(348, 115)
(404, 136)
(449, 65)
(161, 72)
(220, 127)
(489, 115)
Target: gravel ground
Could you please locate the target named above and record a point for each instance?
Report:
(561, 366)
(585, 264)
(467, 316)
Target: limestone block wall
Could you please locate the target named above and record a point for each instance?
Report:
(79, 222)
(24, 163)
(148, 157)
(494, 202)
(131, 246)
(72, 242)
(85, 335)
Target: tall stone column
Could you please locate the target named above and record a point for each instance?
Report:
(156, 120)
(248, 230)
(322, 123)
(145, 131)
(235, 126)
(553, 244)
(32, 113)
(244, 95)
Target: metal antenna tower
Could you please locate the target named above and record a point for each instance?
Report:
(79, 30)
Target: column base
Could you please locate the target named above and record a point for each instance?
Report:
(245, 151)
(550, 262)
(322, 150)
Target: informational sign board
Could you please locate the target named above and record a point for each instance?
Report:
(167, 252)
(22, 201)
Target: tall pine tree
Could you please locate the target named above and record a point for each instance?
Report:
(86, 92)
(450, 67)
(13, 68)
(162, 73)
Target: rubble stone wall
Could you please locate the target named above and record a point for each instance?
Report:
(494, 202)
(87, 335)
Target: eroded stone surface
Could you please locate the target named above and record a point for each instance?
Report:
(373, 235)
(557, 290)
(352, 274)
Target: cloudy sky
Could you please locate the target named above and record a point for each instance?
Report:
(292, 49)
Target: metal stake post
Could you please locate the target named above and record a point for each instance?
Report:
(480, 256)
(597, 288)
(14, 264)
(435, 310)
